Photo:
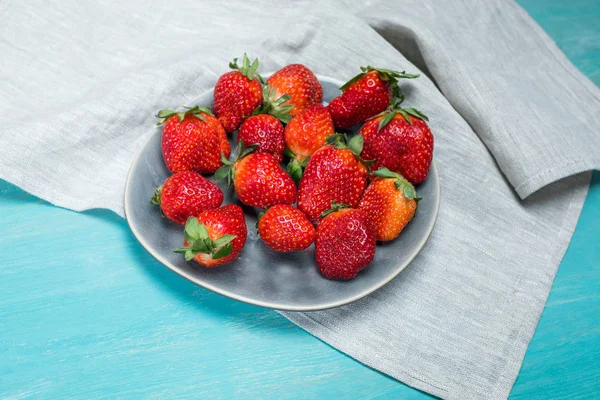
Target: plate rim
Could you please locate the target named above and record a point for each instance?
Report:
(245, 299)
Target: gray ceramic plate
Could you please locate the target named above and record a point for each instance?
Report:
(284, 281)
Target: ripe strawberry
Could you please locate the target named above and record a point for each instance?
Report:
(345, 242)
(216, 237)
(284, 228)
(365, 95)
(300, 84)
(334, 173)
(266, 131)
(390, 202)
(186, 194)
(305, 134)
(401, 141)
(237, 94)
(192, 140)
(258, 179)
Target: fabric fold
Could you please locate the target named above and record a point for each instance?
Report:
(508, 80)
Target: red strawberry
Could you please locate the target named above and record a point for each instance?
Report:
(390, 202)
(306, 133)
(186, 194)
(258, 179)
(300, 84)
(401, 141)
(284, 228)
(334, 173)
(237, 94)
(192, 140)
(345, 242)
(365, 95)
(216, 237)
(266, 131)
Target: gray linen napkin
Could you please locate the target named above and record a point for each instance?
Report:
(81, 82)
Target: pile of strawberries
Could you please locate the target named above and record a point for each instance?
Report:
(348, 193)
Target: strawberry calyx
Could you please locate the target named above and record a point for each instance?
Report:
(295, 168)
(395, 109)
(388, 75)
(355, 145)
(227, 170)
(258, 217)
(400, 183)
(275, 106)
(334, 208)
(247, 69)
(156, 198)
(196, 111)
(199, 241)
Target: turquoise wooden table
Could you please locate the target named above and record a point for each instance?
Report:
(85, 312)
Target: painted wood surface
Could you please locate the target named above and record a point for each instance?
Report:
(86, 313)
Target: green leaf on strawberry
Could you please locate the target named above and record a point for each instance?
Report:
(227, 170)
(156, 198)
(199, 241)
(334, 207)
(223, 252)
(223, 240)
(408, 190)
(394, 110)
(356, 144)
(275, 106)
(386, 173)
(294, 169)
(196, 111)
(386, 120)
(249, 70)
(416, 113)
(385, 74)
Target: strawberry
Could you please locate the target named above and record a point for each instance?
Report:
(266, 131)
(300, 84)
(390, 202)
(335, 172)
(258, 179)
(215, 237)
(345, 242)
(305, 134)
(365, 95)
(237, 94)
(192, 140)
(285, 228)
(186, 194)
(401, 141)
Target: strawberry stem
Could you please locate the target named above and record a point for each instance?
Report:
(355, 145)
(387, 75)
(275, 106)
(247, 69)
(156, 198)
(196, 111)
(227, 170)
(334, 208)
(295, 170)
(199, 241)
(395, 109)
(399, 182)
